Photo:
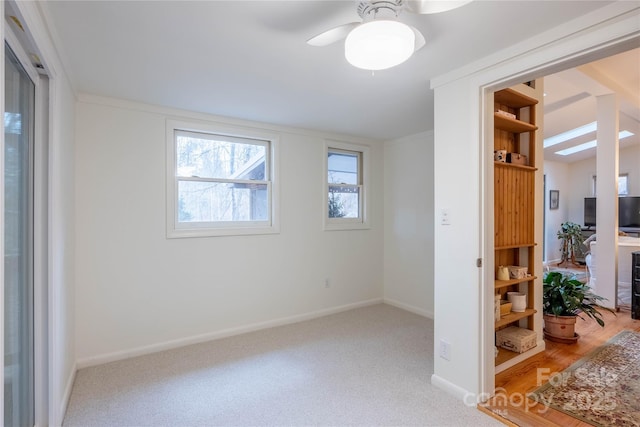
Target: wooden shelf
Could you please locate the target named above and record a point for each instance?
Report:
(505, 355)
(513, 165)
(504, 283)
(515, 99)
(514, 317)
(515, 206)
(512, 125)
(520, 245)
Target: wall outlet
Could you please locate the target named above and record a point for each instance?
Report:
(445, 350)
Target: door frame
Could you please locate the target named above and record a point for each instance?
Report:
(573, 59)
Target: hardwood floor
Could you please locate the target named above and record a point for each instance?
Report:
(509, 405)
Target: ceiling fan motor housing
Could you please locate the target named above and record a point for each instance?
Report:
(372, 9)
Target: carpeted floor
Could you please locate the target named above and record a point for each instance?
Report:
(602, 388)
(370, 366)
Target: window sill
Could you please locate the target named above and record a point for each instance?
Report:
(345, 225)
(220, 232)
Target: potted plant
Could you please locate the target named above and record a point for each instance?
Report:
(564, 299)
(571, 235)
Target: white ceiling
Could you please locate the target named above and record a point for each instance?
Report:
(570, 101)
(249, 60)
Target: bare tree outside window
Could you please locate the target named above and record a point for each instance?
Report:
(344, 178)
(220, 179)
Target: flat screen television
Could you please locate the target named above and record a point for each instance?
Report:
(628, 212)
(589, 211)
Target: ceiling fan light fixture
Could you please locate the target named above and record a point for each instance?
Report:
(379, 44)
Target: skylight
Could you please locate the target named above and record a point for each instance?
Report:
(590, 144)
(570, 134)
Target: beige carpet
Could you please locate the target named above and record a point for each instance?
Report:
(602, 388)
(370, 366)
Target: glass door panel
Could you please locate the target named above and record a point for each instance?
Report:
(18, 244)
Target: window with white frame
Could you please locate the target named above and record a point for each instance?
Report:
(345, 195)
(219, 182)
(623, 184)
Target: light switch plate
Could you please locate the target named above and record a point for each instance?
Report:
(445, 217)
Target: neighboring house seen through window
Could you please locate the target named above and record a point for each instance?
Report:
(219, 184)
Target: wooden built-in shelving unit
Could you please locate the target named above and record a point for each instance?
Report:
(514, 206)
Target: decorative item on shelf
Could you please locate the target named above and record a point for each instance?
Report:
(571, 235)
(496, 307)
(505, 307)
(500, 155)
(516, 339)
(517, 272)
(517, 159)
(503, 273)
(505, 114)
(518, 301)
(564, 298)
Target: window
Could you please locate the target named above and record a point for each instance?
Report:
(345, 193)
(219, 182)
(623, 184)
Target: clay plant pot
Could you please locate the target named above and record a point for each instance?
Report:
(560, 328)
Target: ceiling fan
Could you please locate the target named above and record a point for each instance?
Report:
(380, 41)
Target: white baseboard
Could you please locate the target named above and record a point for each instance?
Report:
(469, 399)
(410, 308)
(62, 410)
(168, 345)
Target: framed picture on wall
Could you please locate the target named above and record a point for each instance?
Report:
(554, 199)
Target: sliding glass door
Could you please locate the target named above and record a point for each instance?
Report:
(18, 245)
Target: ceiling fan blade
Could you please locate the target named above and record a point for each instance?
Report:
(434, 6)
(332, 35)
(420, 41)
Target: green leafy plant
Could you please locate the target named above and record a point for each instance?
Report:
(564, 295)
(571, 235)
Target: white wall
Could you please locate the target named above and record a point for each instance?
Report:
(408, 223)
(581, 179)
(138, 291)
(557, 176)
(630, 164)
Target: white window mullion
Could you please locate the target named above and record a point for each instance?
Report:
(221, 180)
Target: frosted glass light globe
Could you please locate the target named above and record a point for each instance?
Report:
(377, 45)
